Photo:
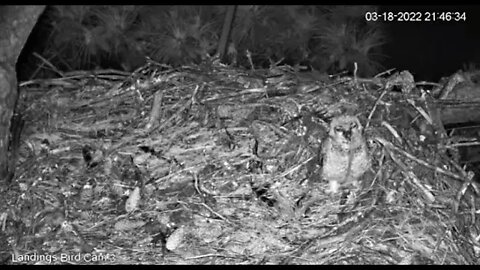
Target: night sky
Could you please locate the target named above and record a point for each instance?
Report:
(436, 49)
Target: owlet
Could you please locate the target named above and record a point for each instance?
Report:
(344, 154)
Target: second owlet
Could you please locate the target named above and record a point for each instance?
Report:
(344, 152)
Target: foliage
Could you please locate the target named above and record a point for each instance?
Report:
(87, 36)
(275, 32)
(329, 38)
(344, 44)
(179, 35)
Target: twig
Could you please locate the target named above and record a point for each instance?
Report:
(379, 174)
(465, 174)
(462, 190)
(156, 110)
(86, 73)
(180, 111)
(273, 65)
(385, 72)
(355, 69)
(410, 175)
(294, 168)
(421, 162)
(206, 256)
(329, 238)
(375, 107)
(455, 145)
(428, 83)
(249, 57)
(393, 131)
(420, 110)
(473, 210)
(48, 64)
(200, 188)
(298, 251)
(215, 213)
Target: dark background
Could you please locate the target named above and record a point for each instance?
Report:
(429, 50)
(436, 49)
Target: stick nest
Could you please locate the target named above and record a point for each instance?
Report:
(208, 165)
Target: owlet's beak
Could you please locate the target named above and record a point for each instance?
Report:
(348, 134)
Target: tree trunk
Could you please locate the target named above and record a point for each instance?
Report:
(226, 31)
(16, 23)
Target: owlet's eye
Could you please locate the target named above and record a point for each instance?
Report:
(354, 125)
(338, 129)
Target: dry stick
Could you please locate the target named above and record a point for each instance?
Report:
(466, 175)
(215, 213)
(272, 65)
(37, 70)
(64, 80)
(296, 167)
(455, 145)
(410, 175)
(393, 131)
(97, 72)
(156, 110)
(249, 57)
(421, 111)
(206, 256)
(329, 238)
(461, 192)
(48, 64)
(385, 72)
(355, 69)
(375, 107)
(473, 210)
(427, 83)
(458, 197)
(424, 163)
(200, 188)
(378, 174)
(180, 110)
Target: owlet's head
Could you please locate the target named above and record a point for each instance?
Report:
(345, 127)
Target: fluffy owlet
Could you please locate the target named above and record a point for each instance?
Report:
(344, 153)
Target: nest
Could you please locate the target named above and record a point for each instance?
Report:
(208, 165)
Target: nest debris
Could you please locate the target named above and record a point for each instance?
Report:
(207, 164)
